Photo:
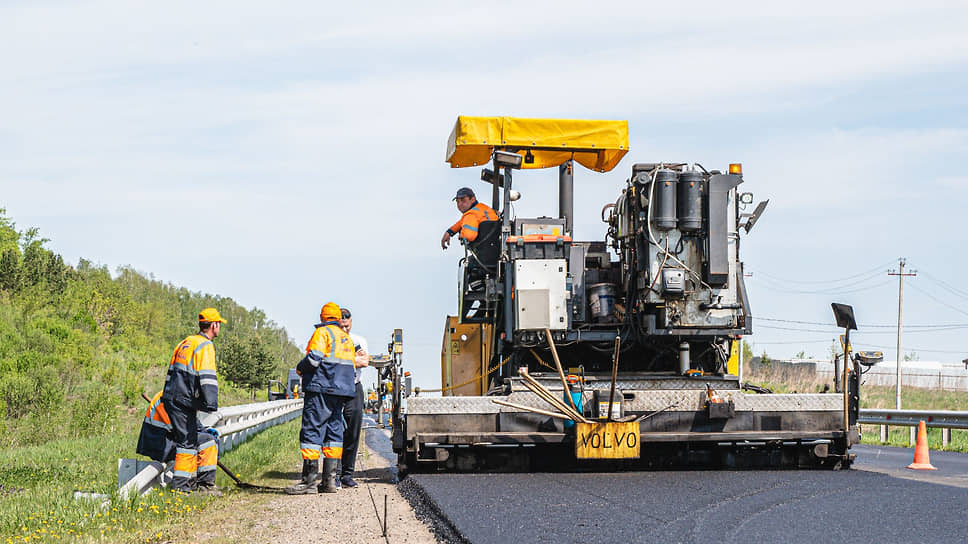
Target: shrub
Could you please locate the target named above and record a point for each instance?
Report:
(51, 390)
(19, 392)
(132, 384)
(94, 412)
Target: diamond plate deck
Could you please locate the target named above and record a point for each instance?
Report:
(452, 405)
(642, 401)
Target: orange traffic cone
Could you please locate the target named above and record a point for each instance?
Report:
(921, 460)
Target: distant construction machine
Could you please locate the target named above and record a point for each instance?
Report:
(620, 352)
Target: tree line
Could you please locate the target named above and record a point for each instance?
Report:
(78, 345)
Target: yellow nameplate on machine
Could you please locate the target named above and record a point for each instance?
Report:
(611, 440)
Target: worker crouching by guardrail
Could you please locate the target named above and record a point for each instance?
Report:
(156, 442)
(328, 377)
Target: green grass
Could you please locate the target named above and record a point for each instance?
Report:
(874, 396)
(38, 482)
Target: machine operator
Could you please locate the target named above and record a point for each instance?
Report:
(474, 213)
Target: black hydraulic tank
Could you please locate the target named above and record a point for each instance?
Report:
(689, 201)
(664, 200)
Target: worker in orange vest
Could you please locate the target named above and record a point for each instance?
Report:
(328, 377)
(191, 386)
(473, 213)
(155, 441)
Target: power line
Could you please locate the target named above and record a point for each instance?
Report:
(876, 269)
(910, 349)
(938, 300)
(790, 342)
(948, 287)
(865, 325)
(826, 292)
(833, 288)
(858, 332)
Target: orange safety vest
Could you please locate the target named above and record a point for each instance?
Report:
(328, 366)
(472, 218)
(154, 441)
(156, 414)
(191, 381)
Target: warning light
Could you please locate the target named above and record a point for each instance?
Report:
(735, 168)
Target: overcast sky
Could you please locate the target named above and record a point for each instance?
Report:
(289, 154)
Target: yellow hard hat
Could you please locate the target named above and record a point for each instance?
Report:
(330, 312)
(211, 315)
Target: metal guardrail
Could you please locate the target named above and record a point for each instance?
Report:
(235, 425)
(942, 419)
(238, 423)
(911, 418)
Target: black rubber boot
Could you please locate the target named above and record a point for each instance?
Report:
(310, 477)
(329, 476)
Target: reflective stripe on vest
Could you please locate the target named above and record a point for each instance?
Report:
(487, 214)
(157, 415)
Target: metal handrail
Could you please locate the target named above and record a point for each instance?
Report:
(943, 419)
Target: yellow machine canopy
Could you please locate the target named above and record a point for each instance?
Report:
(596, 145)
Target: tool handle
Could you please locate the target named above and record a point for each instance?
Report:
(229, 472)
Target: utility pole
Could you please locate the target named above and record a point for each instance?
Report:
(900, 307)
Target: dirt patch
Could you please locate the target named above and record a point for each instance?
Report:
(351, 516)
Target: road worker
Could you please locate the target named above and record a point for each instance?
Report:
(191, 386)
(156, 442)
(473, 213)
(327, 384)
(353, 410)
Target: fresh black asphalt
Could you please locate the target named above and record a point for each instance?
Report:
(858, 505)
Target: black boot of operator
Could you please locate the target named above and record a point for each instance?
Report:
(310, 477)
(329, 476)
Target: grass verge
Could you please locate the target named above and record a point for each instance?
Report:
(783, 380)
(37, 485)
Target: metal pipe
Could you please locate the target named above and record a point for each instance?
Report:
(549, 397)
(531, 409)
(496, 189)
(561, 373)
(505, 232)
(566, 194)
(647, 416)
(843, 381)
(611, 393)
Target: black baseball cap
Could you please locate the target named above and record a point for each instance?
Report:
(464, 191)
(345, 312)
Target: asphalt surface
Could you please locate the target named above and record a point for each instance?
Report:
(877, 501)
(952, 467)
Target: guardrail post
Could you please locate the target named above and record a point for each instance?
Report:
(911, 440)
(945, 437)
(883, 434)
